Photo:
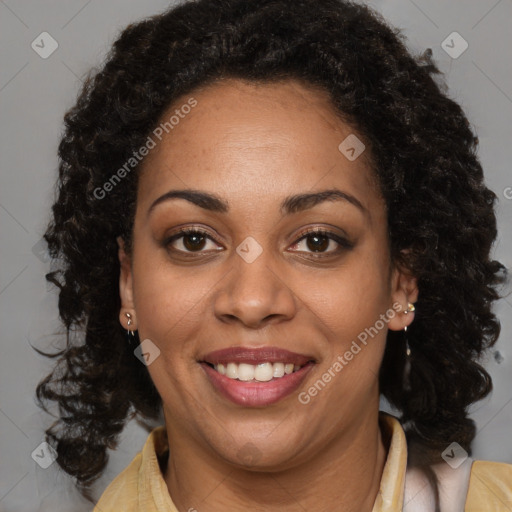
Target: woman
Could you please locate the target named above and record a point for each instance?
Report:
(264, 226)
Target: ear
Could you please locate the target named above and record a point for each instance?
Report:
(126, 287)
(404, 290)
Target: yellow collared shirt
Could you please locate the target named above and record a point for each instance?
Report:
(140, 487)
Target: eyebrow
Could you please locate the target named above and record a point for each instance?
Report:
(291, 204)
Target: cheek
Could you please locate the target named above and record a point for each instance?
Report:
(168, 306)
(350, 299)
(348, 308)
(169, 313)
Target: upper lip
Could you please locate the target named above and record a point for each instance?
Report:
(256, 356)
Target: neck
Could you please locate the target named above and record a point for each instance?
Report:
(344, 476)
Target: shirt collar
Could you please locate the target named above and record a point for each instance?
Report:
(153, 489)
(391, 492)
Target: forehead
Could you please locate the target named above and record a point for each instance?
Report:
(264, 140)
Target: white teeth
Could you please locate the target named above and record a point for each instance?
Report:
(232, 371)
(245, 372)
(278, 370)
(262, 372)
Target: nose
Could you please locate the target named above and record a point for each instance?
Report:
(254, 294)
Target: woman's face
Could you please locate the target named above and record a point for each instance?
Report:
(251, 288)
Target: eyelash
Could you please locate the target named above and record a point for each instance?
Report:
(343, 243)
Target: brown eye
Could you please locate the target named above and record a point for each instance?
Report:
(321, 242)
(191, 241)
(317, 243)
(194, 241)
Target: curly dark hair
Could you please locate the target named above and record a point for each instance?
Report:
(440, 213)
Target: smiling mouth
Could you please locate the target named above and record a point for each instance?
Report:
(262, 372)
(261, 364)
(256, 377)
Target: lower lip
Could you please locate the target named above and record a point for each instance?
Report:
(256, 394)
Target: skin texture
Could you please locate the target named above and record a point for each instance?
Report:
(254, 145)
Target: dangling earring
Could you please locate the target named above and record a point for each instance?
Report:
(406, 384)
(130, 335)
(407, 367)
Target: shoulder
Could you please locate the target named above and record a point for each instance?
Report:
(133, 490)
(123, 490)
(490, 487)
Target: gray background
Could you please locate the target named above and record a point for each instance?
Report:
(35, 93)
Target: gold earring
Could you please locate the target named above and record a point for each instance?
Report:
(410, 308)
